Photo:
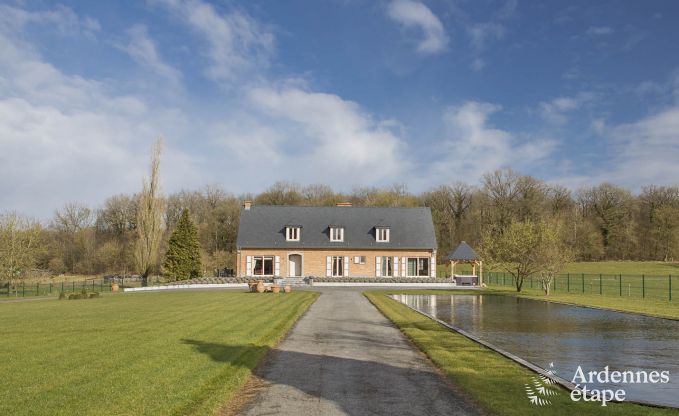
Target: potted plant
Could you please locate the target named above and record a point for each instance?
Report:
(114, 287)
(275, 288)
(287, 289)
(260, 286)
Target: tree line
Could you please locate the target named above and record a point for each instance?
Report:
(129, 234)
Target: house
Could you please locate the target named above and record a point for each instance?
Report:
(335, 241)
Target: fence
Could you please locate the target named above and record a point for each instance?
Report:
(619, 285)
(24, 289)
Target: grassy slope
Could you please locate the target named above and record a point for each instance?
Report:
(661, 308)
(490, 379)
(134, 354)
(656, 268)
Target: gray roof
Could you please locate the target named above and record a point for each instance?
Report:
(263, 226)
(463, 252)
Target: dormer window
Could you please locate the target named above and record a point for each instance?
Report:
(292, 232)
(336, 233)
(382, 234)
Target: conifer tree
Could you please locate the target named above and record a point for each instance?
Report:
(182, 260)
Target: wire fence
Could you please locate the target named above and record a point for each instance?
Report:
(618, 285)
(26, 289)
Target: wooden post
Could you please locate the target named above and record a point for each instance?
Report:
(480, 272)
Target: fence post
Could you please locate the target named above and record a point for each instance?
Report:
(601, 286)
(37, 289)
(73, 286)
(62, 287)
(670, 282)
(23, 289)
(643, 286)
(50, 288)
(568, 283)
(620, 285)
(583, 283)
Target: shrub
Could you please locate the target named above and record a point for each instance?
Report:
(62, 295)
(94, 295)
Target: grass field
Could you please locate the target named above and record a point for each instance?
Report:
(494, 382)
(654, 268)
(135, 354)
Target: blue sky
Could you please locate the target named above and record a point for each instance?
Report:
(344, 92)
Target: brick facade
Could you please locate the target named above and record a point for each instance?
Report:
(314, 261)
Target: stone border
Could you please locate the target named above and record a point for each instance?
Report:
(559, 380)
(381, 284)
(193, 286)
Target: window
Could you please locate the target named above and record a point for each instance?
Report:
(382, 234)
(387, 268)
(292, 233)
(337, 266)
(359, 260)
(262, 266)
(336, 234)
(418, 267)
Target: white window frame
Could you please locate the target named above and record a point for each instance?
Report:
(263, 259)
(359, 259)
(382, 234)
(292, 233)
(337, 264)
(337, 234)
(386, 261)
(417, 266)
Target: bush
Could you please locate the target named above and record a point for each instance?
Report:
(94, 295)
(62, 295)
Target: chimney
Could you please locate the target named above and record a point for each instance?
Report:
(344, 204)
(247, 205)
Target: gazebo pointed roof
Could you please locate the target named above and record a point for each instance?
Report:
(463, 252)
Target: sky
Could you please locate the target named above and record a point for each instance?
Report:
(349, 93)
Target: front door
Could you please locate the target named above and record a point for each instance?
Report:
(294, 265)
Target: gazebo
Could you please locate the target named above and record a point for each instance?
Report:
(465, 254)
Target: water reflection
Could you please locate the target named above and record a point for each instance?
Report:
(568, 336)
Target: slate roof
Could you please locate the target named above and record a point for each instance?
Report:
(263, 226)
(463, 252)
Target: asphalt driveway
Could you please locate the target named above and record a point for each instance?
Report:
(344, 357)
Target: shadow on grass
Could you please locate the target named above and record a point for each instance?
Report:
(357, 387)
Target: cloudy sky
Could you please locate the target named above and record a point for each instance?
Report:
(343, 92)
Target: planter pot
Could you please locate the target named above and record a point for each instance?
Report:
(260, 287)
(114, 287)
(275, 289)
(287, 289)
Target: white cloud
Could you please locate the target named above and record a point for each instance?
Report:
(69, 138)
(646, 151)
(413, 14)
(335, 140)
(481, 33)
(142, 49)
(62, 18)
(236, 43)
(472, 146)
(599, 30)
(555, 111)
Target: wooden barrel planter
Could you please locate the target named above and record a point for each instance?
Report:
(114, 287)
(275, 288)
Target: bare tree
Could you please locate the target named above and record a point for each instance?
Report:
(149, 218)
(19, 247)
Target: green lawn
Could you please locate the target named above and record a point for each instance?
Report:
(493, 381)
(138, 353)
(655, 268)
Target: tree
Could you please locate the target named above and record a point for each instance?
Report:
(553, 254)
(182, 260)
(149, 218)
(19, 247)
(514, 250)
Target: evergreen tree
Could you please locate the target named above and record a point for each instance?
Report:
(182, 260)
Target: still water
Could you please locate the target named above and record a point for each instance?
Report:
(568, 336)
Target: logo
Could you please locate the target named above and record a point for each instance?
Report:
(541, 388)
